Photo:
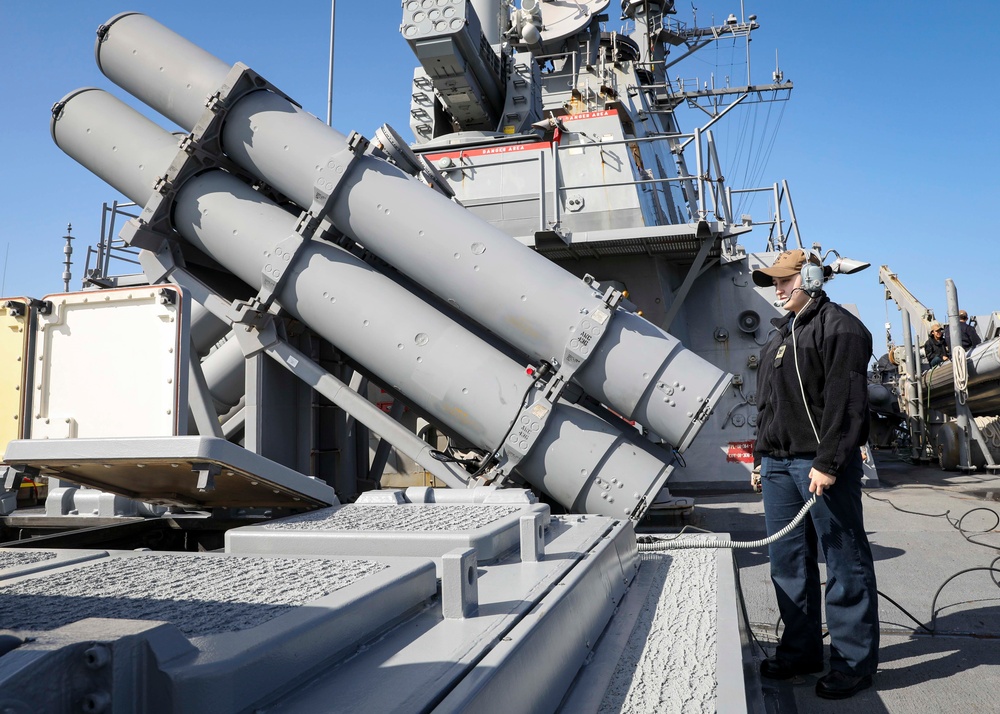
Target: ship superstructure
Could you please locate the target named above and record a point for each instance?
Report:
(586, 161)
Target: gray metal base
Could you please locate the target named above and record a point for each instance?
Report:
(237, 630)
(580, 625)
(425, 530)
(191, 471)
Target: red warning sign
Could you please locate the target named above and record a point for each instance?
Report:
(740, 452)
(589, 115)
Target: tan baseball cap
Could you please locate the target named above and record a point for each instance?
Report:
(785, 265)
(935, 326)
(963, 315)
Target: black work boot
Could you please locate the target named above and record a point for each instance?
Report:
(775, 668)
(840, 685)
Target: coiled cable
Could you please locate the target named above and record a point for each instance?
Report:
(989, 427)
(649, 544)
(960, 373)
(955, 523)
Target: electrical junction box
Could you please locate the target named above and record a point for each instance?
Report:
(15, 322)
(111, 363)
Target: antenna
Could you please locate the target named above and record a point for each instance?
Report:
(329, 92)
(778, 74)
(68, 253)
(749, 29)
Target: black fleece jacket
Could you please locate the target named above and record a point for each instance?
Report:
(936, 348)
(833, 351)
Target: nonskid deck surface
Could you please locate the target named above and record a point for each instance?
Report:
(650, 633)
(956, 670)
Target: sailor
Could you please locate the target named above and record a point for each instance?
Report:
(936, 348)
(970, 338)
(812, 421)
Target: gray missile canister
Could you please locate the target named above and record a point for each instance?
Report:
(443, 369)
(632, 366)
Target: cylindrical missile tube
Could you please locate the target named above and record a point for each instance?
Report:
(983, 367)
(452, 375)
(206, 329)
(637, 369)
(225, 374)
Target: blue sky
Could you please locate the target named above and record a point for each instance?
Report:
(888, 143)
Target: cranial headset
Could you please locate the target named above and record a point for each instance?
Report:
(812, 277)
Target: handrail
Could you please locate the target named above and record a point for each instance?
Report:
(712, 196)
(602, 144)
(109, 246)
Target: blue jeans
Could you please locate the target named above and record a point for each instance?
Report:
(836, 524)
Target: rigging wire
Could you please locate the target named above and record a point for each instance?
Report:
(764, 150)
(770, 146)
(754, 165)
(741, 141)
(745, 180)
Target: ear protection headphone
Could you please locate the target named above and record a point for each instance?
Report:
(812, 278)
